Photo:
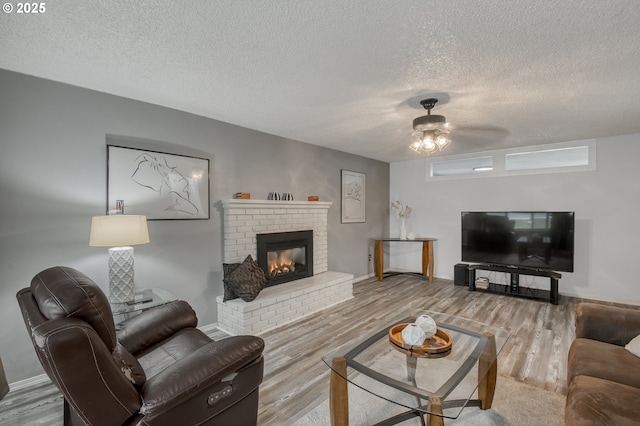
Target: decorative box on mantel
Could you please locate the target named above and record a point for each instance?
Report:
(274, 306)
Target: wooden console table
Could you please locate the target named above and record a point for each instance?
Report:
(427, 256)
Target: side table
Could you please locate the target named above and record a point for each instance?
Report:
(427, 257)
(144, 299)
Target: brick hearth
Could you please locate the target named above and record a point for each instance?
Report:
(275, 306)
(284, 303)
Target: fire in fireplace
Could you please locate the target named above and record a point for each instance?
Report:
(286, 256)
(285, 261)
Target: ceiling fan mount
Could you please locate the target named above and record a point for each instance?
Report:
(428, 103)
(429, 122)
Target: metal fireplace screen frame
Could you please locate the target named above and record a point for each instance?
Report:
(284, 241)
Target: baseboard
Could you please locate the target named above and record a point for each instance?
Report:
(363, 277)
(209, 327)
(31, 381)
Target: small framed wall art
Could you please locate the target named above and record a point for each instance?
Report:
(353, 200)
(156, 184)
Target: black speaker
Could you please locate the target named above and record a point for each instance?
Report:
(460, 274)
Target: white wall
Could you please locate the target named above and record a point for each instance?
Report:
(606, 202)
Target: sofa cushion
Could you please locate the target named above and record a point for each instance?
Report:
(611, 324)
(634, 346)
(164, 354)
(603, 360)
(593, 401)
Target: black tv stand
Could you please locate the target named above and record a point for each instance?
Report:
(514, 289)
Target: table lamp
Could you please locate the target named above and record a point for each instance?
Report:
(119, 232)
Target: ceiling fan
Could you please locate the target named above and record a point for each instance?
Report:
(430, 132)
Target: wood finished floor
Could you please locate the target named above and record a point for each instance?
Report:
(296, 379)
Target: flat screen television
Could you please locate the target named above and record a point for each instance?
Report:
(528, 240)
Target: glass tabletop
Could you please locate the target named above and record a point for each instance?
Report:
(434, 380)
(144, 299)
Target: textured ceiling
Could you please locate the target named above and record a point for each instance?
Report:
(349, 75)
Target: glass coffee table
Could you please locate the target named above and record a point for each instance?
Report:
(437, 385)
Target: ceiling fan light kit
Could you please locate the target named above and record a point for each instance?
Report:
(430, 131)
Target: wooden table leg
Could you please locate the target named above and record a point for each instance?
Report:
(338, 393)
(435, 408)
(379, 260)
(488, 370)
(427, 259)
(431, 256)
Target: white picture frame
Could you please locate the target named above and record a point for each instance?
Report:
(353, 197)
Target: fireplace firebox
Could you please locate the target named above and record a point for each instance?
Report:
(286, 256)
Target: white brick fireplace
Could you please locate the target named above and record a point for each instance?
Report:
(277, 305)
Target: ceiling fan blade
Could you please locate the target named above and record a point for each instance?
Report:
(481, 132)
(478, 137)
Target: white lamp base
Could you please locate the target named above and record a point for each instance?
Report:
(121, 283)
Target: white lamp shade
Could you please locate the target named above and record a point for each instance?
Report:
(118, 231)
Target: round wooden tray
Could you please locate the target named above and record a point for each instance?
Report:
(439, 344)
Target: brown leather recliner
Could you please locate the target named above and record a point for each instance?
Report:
(155, 368)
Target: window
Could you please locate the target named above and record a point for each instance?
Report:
(549, 158)
(461, 167)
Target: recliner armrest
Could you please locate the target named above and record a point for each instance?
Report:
(155, 325)
(610, 324)
(202, 368)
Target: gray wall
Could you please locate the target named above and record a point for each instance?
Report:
(53, 179)
(606, 202)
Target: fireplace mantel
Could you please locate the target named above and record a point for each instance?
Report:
(270, 204)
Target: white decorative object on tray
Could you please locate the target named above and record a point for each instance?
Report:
(413, 335)
(427, 324)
